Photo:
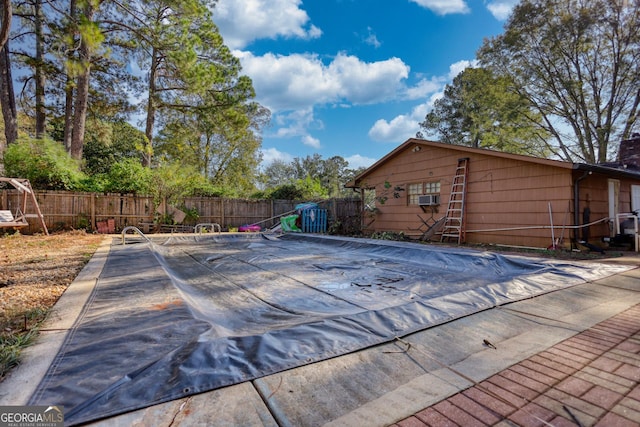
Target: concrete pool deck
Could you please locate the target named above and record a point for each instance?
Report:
(576, 348)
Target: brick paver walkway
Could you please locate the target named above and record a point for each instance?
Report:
(590, 379)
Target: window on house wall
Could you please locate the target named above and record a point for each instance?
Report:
(432, 187)
(415, 190)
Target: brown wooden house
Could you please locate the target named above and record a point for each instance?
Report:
(508, 199)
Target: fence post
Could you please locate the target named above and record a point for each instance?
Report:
(93, 210)
(222, 210)
(334, 209)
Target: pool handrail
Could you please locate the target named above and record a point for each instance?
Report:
(136, 229)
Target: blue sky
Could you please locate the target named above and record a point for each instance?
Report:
(352, 78)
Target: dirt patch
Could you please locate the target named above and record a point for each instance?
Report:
(34, 272)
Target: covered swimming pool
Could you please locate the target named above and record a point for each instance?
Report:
(182, 315)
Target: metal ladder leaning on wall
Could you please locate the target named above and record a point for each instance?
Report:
(454, 223)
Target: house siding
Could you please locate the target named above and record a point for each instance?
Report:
(511, 199)
(506, 193)
(594, 194)
(501, 193)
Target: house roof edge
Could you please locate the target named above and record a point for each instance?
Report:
(423, 142)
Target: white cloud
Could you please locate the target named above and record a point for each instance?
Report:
(458, 67)
(501, 9)
(443, 7)
(372, 39)
(291, 86)
(358, 161)
(424, 88)
(406, 126)
(262, 19)
(296, 123)
(289, 82)
(310, 141)
(269, 155)
(368, 82)
(401, 127)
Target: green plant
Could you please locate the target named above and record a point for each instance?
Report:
(164, 219)
(301, 189)
(45, 163)
(128, 176)
(349, 226)
(173, 181)
(18, 330)
(83, 222)
(388, 190)
(192, 215)
(389, 235)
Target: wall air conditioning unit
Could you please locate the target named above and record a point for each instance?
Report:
(429, 200)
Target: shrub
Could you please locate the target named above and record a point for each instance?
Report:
(286, 192)
(301, 189)
(45, 163)
(128, 176)
(173, 181)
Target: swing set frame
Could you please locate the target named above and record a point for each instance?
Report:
(18, 219)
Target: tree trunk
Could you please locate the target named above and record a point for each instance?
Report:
(68, 103)
(7, 98)
(80, 107)
(40, 76)
(6, 22)
(68, 114)
(151, 110)
(81, 103)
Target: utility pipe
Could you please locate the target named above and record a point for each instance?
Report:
(553, 237)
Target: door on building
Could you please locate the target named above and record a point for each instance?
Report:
(614, 208)
(635, 198)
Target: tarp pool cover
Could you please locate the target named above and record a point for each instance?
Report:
(184, 315)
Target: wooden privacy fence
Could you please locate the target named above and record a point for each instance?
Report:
(72, 210)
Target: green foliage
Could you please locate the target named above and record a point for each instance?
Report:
(128, 176)
(174, 181)
(222, 142)
(10, 348)
(312, 188)
(84, 222)
(107, 143)
(389, 235)
(196, 91)
(388, 189)
(331, 173)
(482, 111)
(90, 32)
(17, 331)
(192, 215)
(286, 192)
(277, 173)
(45, 163)
(300, 189)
